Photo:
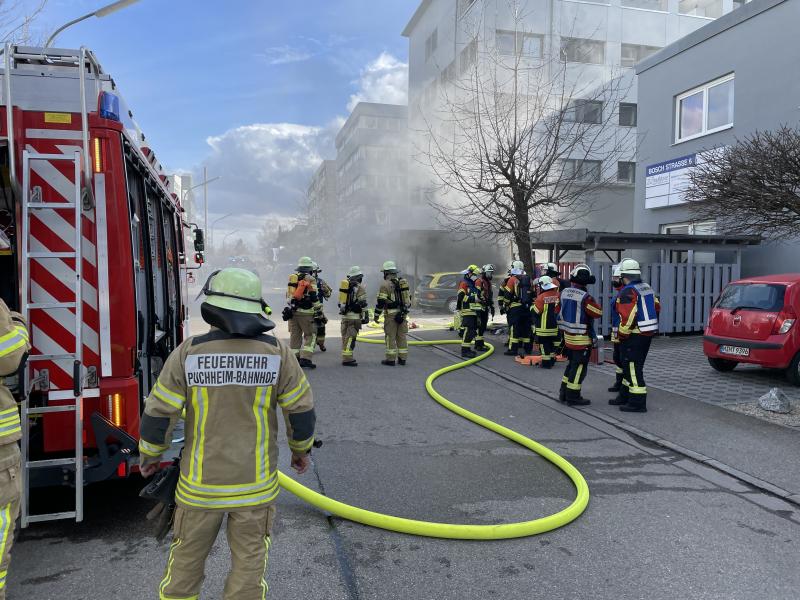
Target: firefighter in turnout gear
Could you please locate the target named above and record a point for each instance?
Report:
(14, 348)
(304, 310)
(484, 284)
(545, 317)
(394, 302)
(230, 382)
(551, 270)
(353, 309)
(518, 295)
(616, 283)
(324, 292)
(576, 319)
(638, 308)
(469, 305)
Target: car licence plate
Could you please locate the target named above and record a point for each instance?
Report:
(735, 350)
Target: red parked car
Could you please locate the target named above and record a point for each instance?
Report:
(754, 321)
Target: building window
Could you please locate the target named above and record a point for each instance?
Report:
(626, 172)
(587, 171)
(705, 109)
(701, 8)
(513, 43)
(633, 53)
(431, 44)
(448, 73)
(660, 5)
(583, 51)
(584, 111)
(627, 114)
(702, 228)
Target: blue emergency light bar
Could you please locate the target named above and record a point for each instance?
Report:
(109, 106)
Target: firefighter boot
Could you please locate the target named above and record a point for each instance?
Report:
(574, 398)
(351, 363)
(622, 396)
(401, 362)
(306, 363)
(562, 393)
(512, 349)
(388, 363)
(637, 403)
(617, 384)
(467, 352)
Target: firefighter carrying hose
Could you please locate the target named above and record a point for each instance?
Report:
(469, 305)
(616, 283)
(518, 294)
(324, 292)
(638, 309)
(394, 300)
(576, 317)
(484, 284)
(545, 311)
(303, 311)
(353, 309)
(14, 348)
(230, 382)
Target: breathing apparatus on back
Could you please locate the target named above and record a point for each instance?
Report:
(234, 303)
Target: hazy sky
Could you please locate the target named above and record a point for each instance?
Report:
(254, 89)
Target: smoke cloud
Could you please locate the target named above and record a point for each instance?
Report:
(383, 80)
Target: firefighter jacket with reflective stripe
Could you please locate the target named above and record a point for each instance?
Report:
(393, 297)
(352, 300)
(545, 311)
(323, 289)
(638, 309)
(510, 292)
(14, 346)
(487, 293)
(230, 388)
(615, 318)
(302, 293)
(503, 295)
(469, 298)
(578, 311)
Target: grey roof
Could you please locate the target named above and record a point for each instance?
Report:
(585, 240)
(423, 6)
(725, 22)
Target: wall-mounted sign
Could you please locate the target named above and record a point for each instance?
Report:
(666, 182)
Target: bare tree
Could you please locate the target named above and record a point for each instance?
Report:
(522, 138)
(750, 187)
(16, 18)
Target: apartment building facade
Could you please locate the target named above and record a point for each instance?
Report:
(597, 41)
(731, 78)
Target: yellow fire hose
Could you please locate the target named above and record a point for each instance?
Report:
(452, 530)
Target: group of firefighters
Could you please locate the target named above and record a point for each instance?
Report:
(559, 317)
(228, 465)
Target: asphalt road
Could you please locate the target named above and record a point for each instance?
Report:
(658, 526)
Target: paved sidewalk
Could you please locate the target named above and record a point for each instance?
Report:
(678, 365)
(754, 447)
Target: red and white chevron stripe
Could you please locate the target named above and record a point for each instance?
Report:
(53, 279)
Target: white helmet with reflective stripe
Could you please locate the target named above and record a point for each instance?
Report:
(579, 267)
(628, 266)
(546, 282)
(616, 271)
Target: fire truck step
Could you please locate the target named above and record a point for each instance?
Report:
(37, 357)
(50, 205)
(51, 255)
(51, 517)
(51, 462)
(42, 305)
(41, 410)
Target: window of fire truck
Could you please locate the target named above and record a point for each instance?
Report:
(9, 280)
(171, 273)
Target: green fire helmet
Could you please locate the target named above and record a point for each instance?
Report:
(354, 272)
(389, 266)
(305, 262)
(235, 289)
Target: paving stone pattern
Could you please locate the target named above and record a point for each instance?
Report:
(677, 364)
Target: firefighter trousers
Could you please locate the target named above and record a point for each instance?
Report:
(396, 338)
(10, 492)
(350, 329)
(248, 533)
(575, 373)
(618, 367)
(483, 322)
(469, 323)
(521, 327)
(302, 334)
(633, 353)
(547, 349)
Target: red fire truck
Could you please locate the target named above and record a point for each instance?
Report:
(97, 264)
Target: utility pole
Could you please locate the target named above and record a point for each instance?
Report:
(205, 201)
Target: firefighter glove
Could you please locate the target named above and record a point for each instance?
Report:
(287, 313)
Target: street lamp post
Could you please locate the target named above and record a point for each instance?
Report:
(211, 231)
(100, 12)
(227, 235)
(202, 184)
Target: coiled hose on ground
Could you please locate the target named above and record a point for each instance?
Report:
(455, 530)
